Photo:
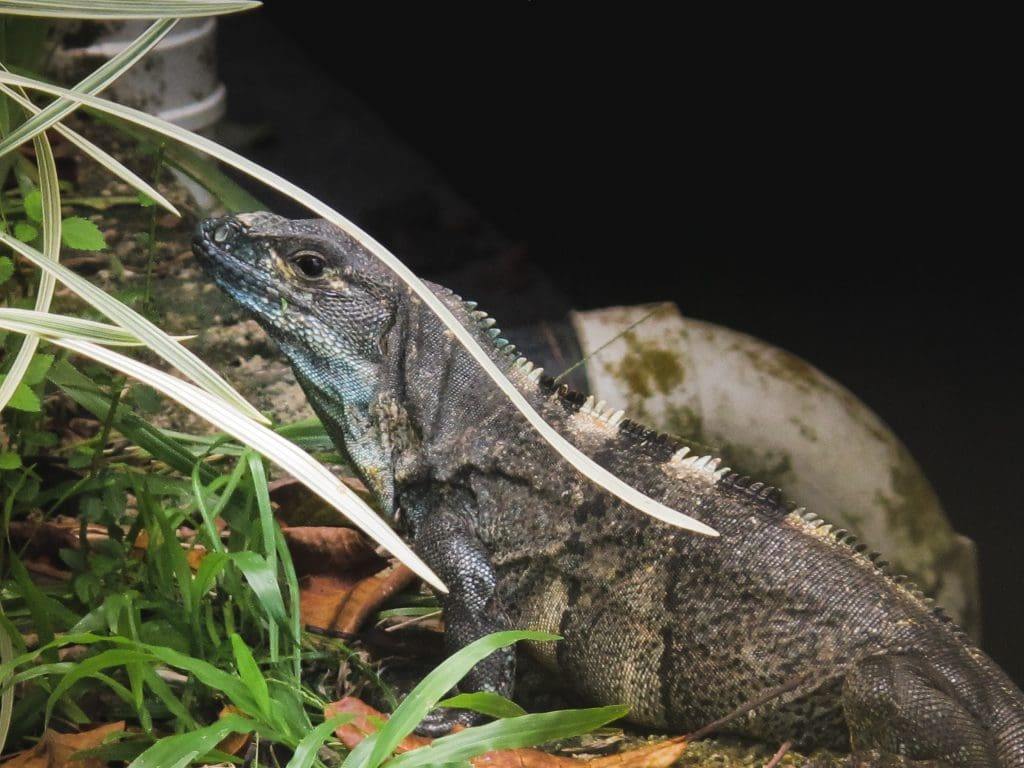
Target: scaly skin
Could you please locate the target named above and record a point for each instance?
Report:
(682, 628)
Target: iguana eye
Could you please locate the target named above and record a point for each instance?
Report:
(311, 264)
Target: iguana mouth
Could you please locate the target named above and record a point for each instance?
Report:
(225, 253)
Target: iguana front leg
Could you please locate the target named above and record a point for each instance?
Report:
(445, 537)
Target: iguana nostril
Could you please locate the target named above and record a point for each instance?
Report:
(222, 233)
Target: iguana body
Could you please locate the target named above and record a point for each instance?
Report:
(682, 628)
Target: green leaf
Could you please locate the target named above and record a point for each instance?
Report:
(82, 234)
(6, 269)
(23, 399)
(182, 749)
(145, 200)
(511, 733)
(251, 675)
(305, 753)
(34, 205)
(9, 460)
(372, 752)
(37, 368)
(486, 703)
(262, 577)
(25, 231)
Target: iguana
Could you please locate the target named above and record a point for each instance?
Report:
(682, 628)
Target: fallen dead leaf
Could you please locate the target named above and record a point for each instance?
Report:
(324, 549)
(337, 604)
(661, 755)
(233, 743)
(57, 750)
(194, 554)
(299, 506)
(62, 746)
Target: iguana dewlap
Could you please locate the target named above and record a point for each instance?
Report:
(682, 628)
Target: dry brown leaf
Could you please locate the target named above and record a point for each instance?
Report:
(341, 604)
(30, 758)
(56, 750)
(194, 553)
(323, 549)
(661, 755)
(298, 506)
(55, 532)
(62, 746)
(233, 743)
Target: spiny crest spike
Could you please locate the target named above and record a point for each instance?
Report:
(535, 374)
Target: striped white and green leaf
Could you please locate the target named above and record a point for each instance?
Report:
(124, 9)
(228, 418)
(583, 463)
(50, 201)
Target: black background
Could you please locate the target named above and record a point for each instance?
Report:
(844, 196)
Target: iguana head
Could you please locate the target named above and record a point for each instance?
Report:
(318, 293)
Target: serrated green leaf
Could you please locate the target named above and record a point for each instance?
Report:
(25, 231)
(37, 368)
(34, 205)
(82, 234)
(6, 269)
(23, 399)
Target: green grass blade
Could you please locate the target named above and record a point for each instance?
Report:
(249, 672)
(583, 463)
(7, 697)
(158, 341)
(117, 657)
(182, 749)
(124, 9)
(262, 578)
(49, 189)
(267, 528)
(306, 752)
(285, 454)
(149, 438)
(511, 733)
(96, 81)
(374, 750)
(99, 155)
(295, 617)
(485, 702)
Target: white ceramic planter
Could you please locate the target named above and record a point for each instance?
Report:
(778, 418)
(177, 80)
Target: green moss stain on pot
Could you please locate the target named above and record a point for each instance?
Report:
(774, 416)
(647, 368)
